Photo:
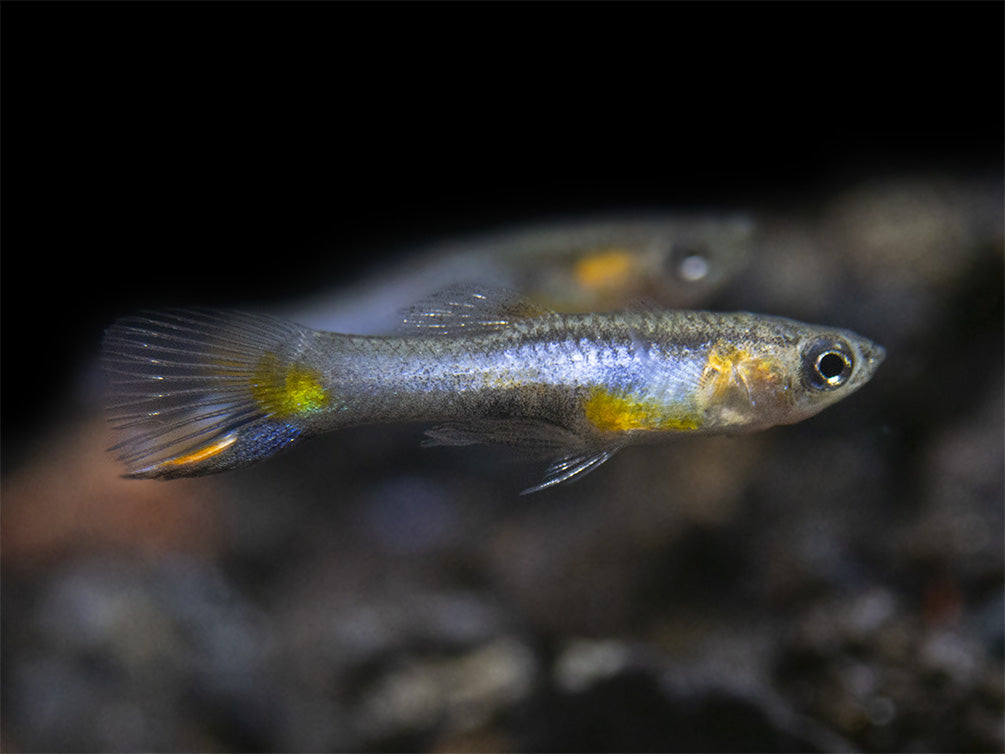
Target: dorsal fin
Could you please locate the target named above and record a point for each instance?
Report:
(469, 310)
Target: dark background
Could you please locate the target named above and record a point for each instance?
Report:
(168, 153)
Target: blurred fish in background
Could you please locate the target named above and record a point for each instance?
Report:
(570, 264)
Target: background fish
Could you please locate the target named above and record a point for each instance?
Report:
(569, 264)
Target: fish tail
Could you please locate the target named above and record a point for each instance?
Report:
(194, 392)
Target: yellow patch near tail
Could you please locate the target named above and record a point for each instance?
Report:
(613, 412)
(288, 390)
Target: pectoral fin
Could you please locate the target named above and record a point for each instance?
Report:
(571, 468)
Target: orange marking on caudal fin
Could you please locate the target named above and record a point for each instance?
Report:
(203, 453)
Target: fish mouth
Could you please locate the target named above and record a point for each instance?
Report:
(874, 354)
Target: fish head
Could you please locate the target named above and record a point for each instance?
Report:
(778, 371)
(831, 364)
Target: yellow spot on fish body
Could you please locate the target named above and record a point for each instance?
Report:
(612, 412)
(742, 387)
(610, 268)
(288, 390)
(203, 453)
(720, 369)
(729, 366)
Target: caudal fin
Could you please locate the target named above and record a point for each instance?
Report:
(196, 392)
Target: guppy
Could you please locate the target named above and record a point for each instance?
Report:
(197, 392)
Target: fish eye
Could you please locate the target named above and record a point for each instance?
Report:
(827, 364)
(690, 262)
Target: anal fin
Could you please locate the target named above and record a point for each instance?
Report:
(531, 438)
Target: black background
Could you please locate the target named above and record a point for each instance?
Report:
(176, 153)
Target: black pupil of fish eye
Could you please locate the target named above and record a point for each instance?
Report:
(831, 365)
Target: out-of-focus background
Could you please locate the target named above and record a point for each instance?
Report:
(832, 586)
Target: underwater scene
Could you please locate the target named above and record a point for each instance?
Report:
(833, 584)
(276, 380)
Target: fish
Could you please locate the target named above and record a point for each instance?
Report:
(571, 264)
(201, 391)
